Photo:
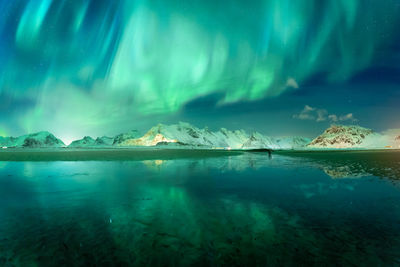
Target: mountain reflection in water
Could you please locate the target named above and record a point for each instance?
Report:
(239, 209)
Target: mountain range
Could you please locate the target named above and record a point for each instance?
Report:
(185, 135)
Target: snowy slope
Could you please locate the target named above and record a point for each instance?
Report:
(88, 141)
(295, 142)
(189, 135)
(35, 140)
(341, 136)
(257, 140)
(166, 134)
(121, 138)
(104, 141)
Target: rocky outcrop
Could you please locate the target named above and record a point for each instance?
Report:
(341, 136)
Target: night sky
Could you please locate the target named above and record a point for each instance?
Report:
(282, 67)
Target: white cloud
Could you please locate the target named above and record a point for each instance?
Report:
(333, 117)
(305, 114)
(291, 82)
(348, 117)
(319, 115)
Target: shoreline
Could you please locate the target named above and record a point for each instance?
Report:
(110, 154)
(154, 153)
(336, 150)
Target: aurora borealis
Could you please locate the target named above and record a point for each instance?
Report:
(77, 67)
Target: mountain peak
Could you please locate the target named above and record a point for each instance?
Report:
(121, 138)
(341, 136)
(336, 129)
(34, 140)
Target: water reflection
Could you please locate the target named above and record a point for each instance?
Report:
(384, 164)
(354, 164)
(235, 210)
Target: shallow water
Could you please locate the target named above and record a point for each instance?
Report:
(239, 209)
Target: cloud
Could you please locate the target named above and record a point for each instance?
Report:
(292, 83)
(333, 117)
(305, 114)
(319, 115)
(347, 117)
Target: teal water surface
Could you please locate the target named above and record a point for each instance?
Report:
(243, 209)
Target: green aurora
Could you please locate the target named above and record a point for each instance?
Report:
(84, 65)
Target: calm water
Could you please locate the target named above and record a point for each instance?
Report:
(248, 209)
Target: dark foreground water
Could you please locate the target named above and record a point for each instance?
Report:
(240, 209)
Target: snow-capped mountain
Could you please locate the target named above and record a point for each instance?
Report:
(295, 142)
(257, 140)
(186, 134)
(88, 141)
(154, 136)
(189, 135)
(84, 142)
(35, 140)
(104, 141)
(341, 136)
(121, 138)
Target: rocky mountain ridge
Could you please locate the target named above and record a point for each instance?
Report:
(186, 135)
(36, 140)
(340, 136)
(354, 136)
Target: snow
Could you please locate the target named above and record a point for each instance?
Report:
(189, 135)
(186, 135)
(295, 142)
(35, 140)
(117, 140)
(86, 141)
(354, 136)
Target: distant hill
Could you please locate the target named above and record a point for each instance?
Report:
(88, 141)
